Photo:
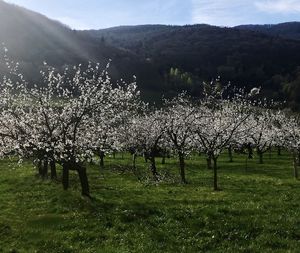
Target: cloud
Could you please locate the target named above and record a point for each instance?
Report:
(278, 6)
(221, 12)
(107, 13)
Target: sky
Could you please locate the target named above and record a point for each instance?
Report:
(96, 14)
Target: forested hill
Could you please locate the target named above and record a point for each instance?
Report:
(289, 30)
(165, 59)
(186, 55)
(32, 38)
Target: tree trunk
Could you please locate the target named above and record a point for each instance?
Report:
(134, 161)
(230, 154)
(215, 175)
(45, 169)
(65, 177)
(295, 166)
(153, 168)
(114, 155)
(182, 168)
(53, 169)
(101, 156)
(279, 151)
(260, 155)
(250, 151)
(209, 165)
(298, 158)
(40, 167)
(85, 189)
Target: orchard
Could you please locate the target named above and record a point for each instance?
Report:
(76, 115)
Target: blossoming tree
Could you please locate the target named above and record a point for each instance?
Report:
(53, 120)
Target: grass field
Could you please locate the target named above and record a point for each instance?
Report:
(258, 209)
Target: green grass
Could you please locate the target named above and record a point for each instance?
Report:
(258, 209)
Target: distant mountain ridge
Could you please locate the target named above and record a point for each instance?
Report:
(242, 56)
(32, 38)
(165, 59)
(288, 30)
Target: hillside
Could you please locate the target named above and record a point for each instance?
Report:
(32, 38)
(289, 30)
(165, 59)
(246, 58)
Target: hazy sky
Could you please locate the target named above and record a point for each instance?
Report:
(85, 14)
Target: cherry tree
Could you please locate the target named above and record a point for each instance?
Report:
(215, 129)
(108, 122)
(220, 121)
(290, 137)
(53, 119)
(262, 132)
(179, 116)
(148, 137)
